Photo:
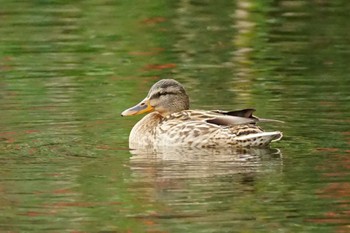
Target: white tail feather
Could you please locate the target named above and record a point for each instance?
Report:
(260, 139)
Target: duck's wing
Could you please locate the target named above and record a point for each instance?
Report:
(246, 113)
(221, 118)
(217, 117)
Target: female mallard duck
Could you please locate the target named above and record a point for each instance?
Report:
(171, 123)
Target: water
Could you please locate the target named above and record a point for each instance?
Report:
(68, 69)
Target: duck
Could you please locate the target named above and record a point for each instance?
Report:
(171, 123)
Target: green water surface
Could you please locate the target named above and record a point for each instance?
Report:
(69, 68)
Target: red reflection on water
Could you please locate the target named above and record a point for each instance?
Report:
(39, 213)
(10, 137)
(7, 137)
(32, 151)
(63, 191)
(328, 219)
(338, 191)
(3, 134)
(10, 140)
(4, 66)
(33, 213)
(160, 66)
(57, 191)
(327, 149)
(153, 20)
(148, 222)
(156, 231)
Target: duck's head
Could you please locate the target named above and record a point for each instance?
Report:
(165, 97)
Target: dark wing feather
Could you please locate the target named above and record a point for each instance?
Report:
(248, 113)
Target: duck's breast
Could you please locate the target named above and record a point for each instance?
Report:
(143, 134)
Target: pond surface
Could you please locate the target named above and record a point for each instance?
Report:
(68, 69)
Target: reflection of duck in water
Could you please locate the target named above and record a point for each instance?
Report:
(176, 162)
(223, 154)
(171, 123)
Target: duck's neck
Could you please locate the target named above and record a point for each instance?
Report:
(143, 133)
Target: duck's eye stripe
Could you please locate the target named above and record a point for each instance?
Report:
(157, 95)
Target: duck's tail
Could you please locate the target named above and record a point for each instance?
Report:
(259, 139)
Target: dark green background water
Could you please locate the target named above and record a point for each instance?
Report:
(68, 68)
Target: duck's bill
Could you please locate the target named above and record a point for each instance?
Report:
(142, 107)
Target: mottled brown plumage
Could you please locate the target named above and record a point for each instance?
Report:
(172, 123)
